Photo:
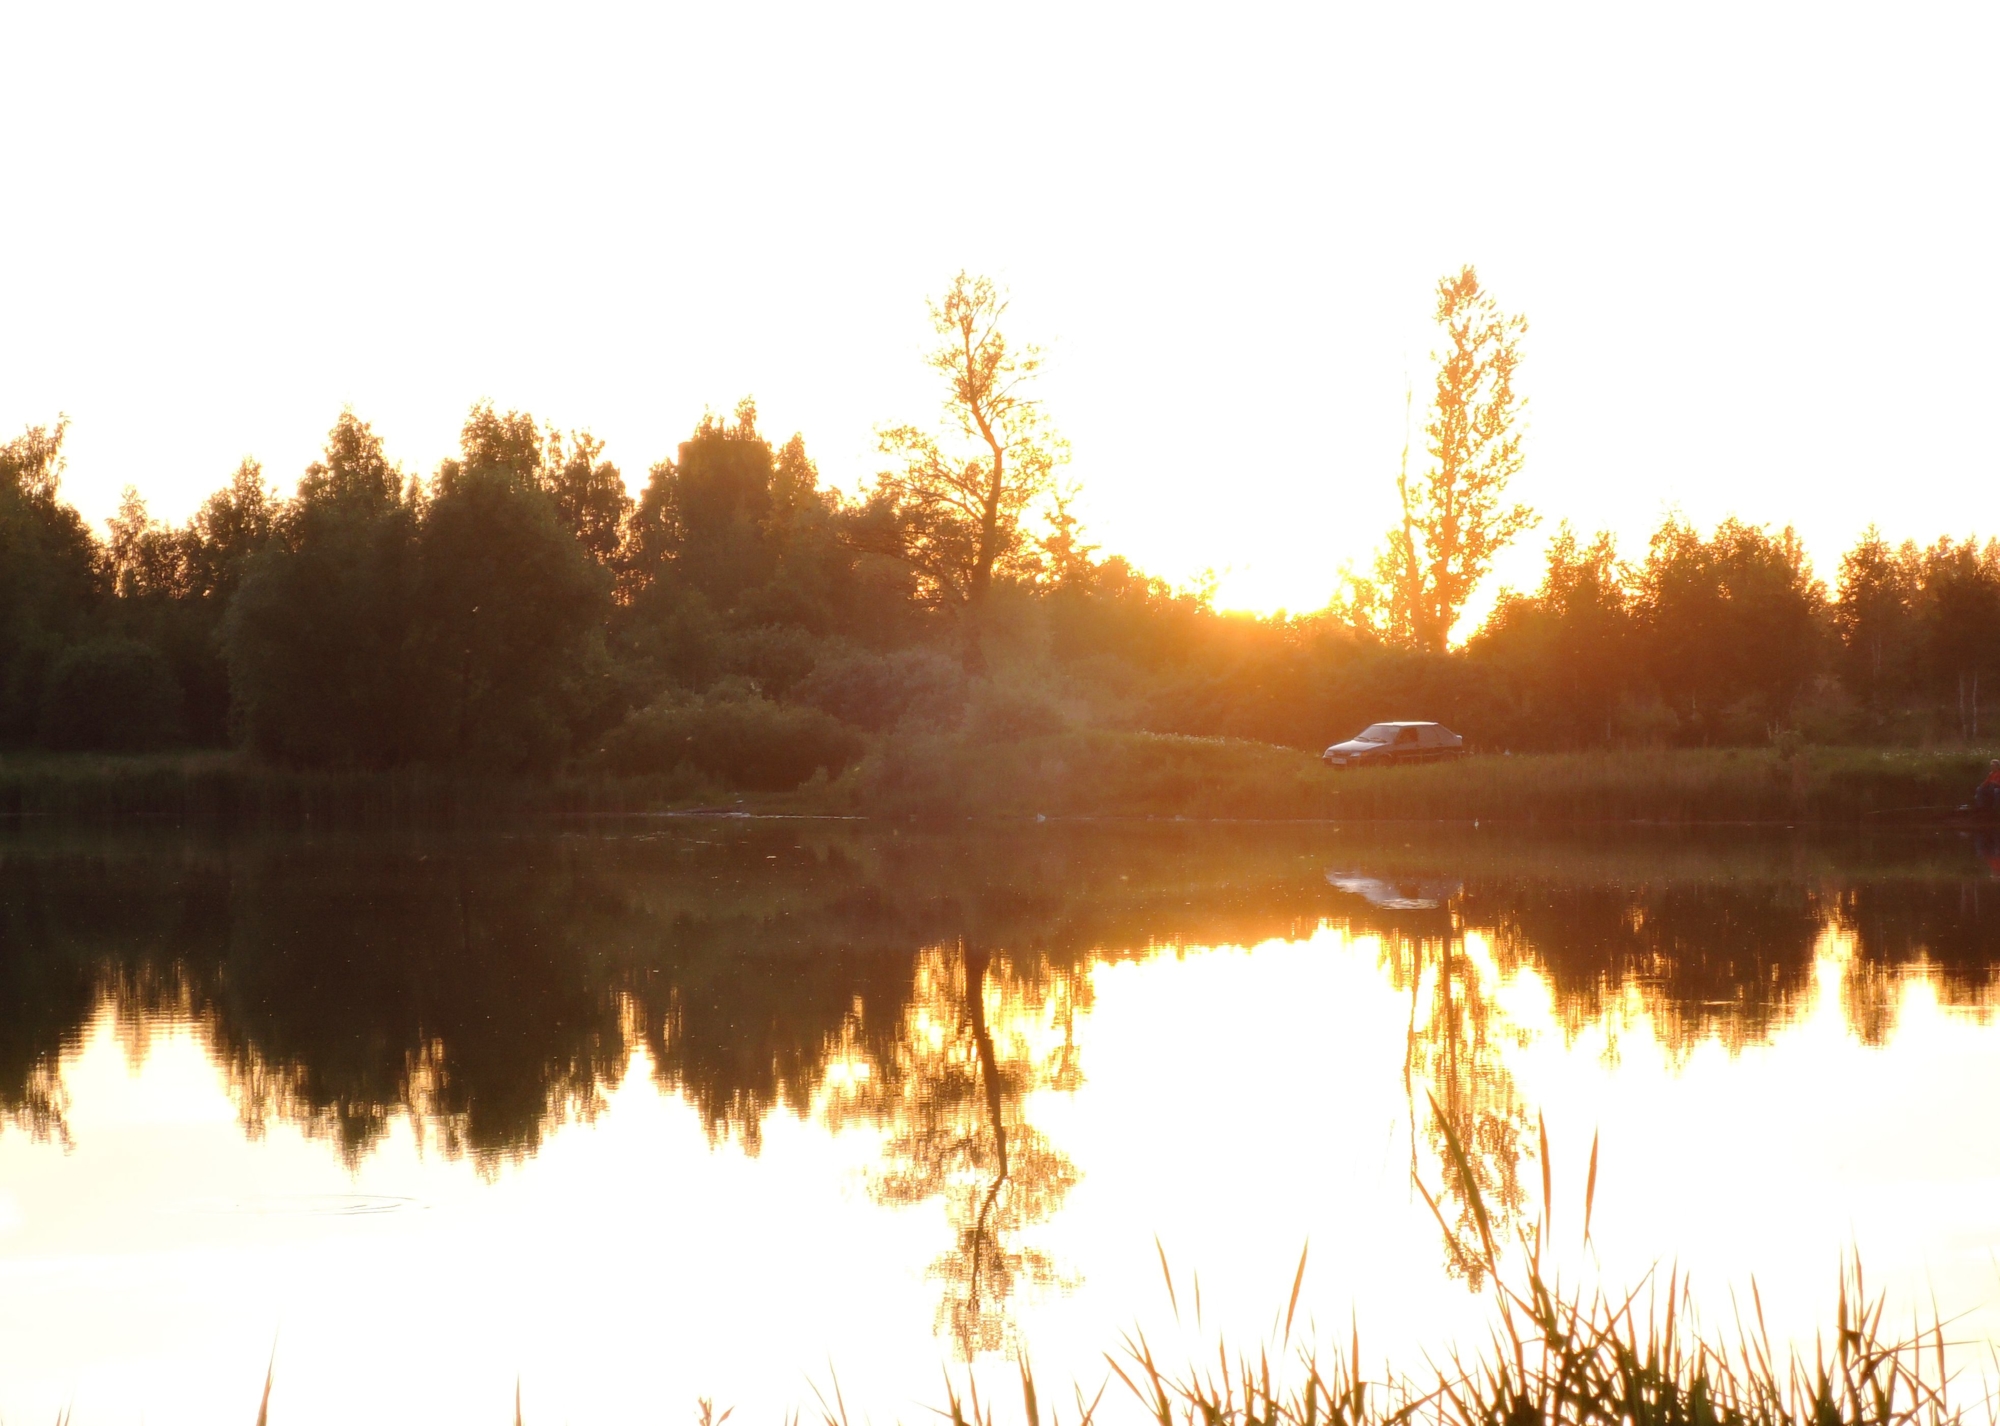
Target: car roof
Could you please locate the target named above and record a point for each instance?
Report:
(1403, 723)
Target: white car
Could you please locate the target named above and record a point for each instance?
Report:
(1383, 744)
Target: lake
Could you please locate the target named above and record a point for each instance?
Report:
(760, 1111)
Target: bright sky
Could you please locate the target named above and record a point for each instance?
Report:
(1753, 244)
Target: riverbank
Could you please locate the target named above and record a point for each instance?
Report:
(1083, 773)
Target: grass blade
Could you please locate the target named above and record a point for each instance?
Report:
(1298, 1280)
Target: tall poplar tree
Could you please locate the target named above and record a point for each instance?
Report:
(1454, 514)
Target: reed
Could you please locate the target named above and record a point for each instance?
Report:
(1554, 1357)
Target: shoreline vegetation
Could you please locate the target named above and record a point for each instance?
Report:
(1086, 773)
(521, 627)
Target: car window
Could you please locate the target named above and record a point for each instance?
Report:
(1376, 733)
(1408, 735)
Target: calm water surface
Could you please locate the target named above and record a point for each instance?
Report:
(723, 1109)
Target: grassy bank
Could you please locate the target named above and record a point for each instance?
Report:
(228, 789)
(1099, 773)
(1084, 773)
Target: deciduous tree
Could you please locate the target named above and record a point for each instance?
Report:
(1878, 590)
(1454, 515)
(1732, 626)
(1567, 646)
(508, 608)
(961, 491)
(318, 636)
(50, 573)
(1958, 623)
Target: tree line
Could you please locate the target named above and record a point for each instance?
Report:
(741, 625)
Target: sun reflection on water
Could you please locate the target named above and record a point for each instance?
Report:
(942, 1106)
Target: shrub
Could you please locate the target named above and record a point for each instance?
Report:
(1005, 712)
(877, 691)
(734, 736)
(111, 695)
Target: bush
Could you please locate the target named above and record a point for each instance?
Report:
(733, 736)
(877, 691)
(1092, 772)
(1005, 712)
(111, 695)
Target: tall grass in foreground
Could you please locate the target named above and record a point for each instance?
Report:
(1554, 1355)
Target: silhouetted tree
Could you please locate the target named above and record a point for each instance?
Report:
(961, 496)
(318, 638)
(1568, 646)
(1732, 626)
(1877, 601)
(509, 607)
(737, 563)
(172, 588)
(703, 524)
(1453, 518)
(49, 574)
(590, 495)
(1958, 622)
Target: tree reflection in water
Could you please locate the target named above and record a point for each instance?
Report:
(979, 1038)
(1454, 1056)
(485, 989)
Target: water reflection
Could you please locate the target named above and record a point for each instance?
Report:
(1455, 1074)
(485, 992)
(979, 1037)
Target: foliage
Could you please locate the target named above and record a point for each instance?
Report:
(173, 587)
(318, 638)
(50, 582)
(1453, 519)
(111, 695)
(737, 562)
(386, 624)
(733, 736)
(1566, 650)
(877, 691)
(961, 497)
(506, 613)
(1732, 626)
